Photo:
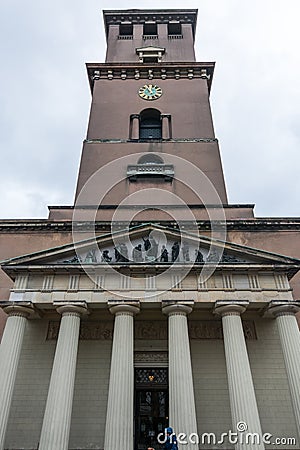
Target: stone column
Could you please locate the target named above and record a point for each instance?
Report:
(135, 126)
(119, 417)
(241, 390)
(182, 411)
(57, 417)
(166, 124)
(10, 350)
(290, 341)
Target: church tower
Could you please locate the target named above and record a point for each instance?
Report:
(150, 103)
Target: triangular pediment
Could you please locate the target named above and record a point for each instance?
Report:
(151, 244)
(150, 48)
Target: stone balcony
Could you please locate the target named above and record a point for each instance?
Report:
(165, 171)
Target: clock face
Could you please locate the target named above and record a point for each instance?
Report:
(150, 92)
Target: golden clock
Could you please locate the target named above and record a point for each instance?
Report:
(150, 92)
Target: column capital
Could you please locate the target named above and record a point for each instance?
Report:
(278, 308)
(230, 308)
(171, 308)
(130, 308)
(24, 309)
(70, 309)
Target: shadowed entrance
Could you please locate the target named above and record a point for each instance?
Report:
(151, 406)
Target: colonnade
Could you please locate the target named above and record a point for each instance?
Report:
(120, 411)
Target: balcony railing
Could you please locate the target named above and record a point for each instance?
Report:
(150, 36)
(165, 171)
(125, 36)
(175, 36)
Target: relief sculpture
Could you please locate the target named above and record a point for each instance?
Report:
(205, 329)
(153, 330)
(88, 330)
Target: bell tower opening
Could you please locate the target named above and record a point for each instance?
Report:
(150, 158)
(150, 124)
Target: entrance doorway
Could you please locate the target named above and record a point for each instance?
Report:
(151, 406)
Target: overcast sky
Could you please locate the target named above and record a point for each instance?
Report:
(45, 97)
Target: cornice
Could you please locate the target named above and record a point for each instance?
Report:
(153, 71)
(134, 141)
(139, 16)
(46, 226)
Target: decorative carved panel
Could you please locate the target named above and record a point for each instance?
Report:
(153, 330)
(53, 329)
(96, 331)
(88, 330)
(150, 357)
(249, 329)
(205, 329)
(151, 377)
(212, 329)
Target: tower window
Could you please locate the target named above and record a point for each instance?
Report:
(174, 29)
(150, 158)
(150, 124)
(150, 29)
(126, 30)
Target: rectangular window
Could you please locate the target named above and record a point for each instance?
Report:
(174, 29)
(150, 29)
(126, 30)
(150, 59)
